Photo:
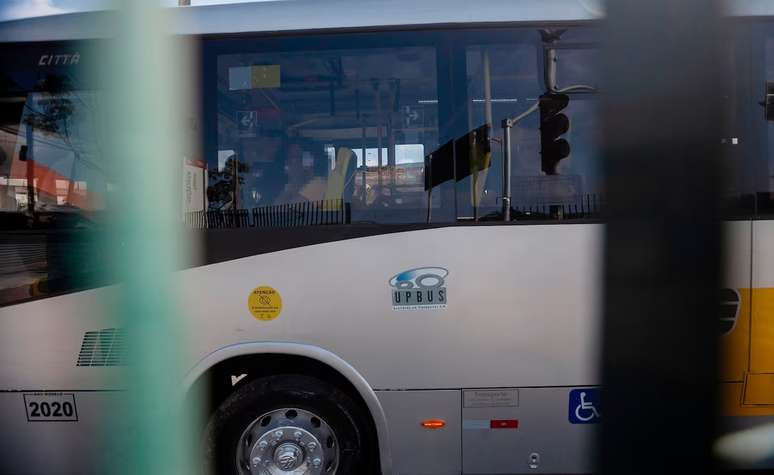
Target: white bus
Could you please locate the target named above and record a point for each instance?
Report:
(360, 305)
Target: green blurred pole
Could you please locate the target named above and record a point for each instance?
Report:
(146, 74)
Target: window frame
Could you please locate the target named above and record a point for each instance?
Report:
(450, 45)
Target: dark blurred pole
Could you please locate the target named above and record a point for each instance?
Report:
(29, 156)
(662, 126)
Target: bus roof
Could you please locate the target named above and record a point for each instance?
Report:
(306, 15)
(315, 15)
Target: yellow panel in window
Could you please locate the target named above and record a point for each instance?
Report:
(265, 76)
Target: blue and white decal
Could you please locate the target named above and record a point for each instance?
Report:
(420, 288)
(584, 406)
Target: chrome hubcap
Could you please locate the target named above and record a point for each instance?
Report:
(288, 441)
(288, 456)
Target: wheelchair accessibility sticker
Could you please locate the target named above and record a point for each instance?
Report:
(584, 406)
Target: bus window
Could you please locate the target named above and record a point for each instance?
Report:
(763, 168)
(311, 131)
(53, 183)
(505, 80)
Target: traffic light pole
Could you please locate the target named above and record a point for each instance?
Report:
(549, 76)
(507, 124)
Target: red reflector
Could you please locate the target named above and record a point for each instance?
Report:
(504, 424)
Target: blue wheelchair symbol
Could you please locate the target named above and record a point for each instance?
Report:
(584, 406)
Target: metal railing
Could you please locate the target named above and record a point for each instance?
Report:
(306, 213)
(587, 207)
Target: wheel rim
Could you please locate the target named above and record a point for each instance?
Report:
(288, 441)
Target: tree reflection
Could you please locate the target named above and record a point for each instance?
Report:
(222, 193)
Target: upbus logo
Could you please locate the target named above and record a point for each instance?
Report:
(421, 288)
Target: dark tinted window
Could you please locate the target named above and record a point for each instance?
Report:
(53, 184)
(313, 132)
(504, 80)
(390, 128)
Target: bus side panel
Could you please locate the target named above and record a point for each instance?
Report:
(538, 435)
(36, 440)
(415, 449)
(62, 343)
(516, 295)
(498, 435)
(521, 309)
(521, 305)
(61, 375)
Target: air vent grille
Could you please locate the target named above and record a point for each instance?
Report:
(103, 348)
(729, 310)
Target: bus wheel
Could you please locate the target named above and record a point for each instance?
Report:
(287, 424)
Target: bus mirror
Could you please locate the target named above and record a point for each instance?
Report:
(23, 153)
(768, 102)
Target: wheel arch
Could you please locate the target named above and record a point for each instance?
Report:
(313, 354)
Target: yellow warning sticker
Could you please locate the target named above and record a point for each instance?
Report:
(264, 303)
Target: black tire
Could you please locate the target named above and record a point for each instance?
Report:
(346, 417)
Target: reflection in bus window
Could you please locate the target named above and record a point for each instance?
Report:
(333, 126)
(54, 186)
(505, 80)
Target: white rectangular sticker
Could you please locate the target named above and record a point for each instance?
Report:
(476, 424)
(490, 398)
(50, 406)
(261, 76)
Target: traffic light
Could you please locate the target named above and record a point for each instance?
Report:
(552, 125)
